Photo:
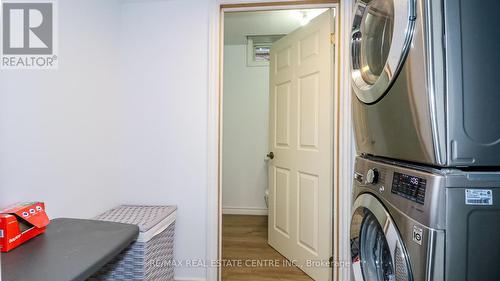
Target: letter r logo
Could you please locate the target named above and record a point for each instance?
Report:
(27, 28)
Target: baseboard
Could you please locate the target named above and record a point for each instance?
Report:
(189, 279)
(244, 211)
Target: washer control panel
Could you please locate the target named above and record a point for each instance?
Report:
(410, 187)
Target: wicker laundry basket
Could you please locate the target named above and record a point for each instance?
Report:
(151, 256)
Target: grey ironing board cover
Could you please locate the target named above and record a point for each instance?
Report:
(70, 250)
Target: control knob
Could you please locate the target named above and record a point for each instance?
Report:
(372, 176)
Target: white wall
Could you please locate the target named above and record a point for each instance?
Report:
(60, 129)
(72, 136)
(245, 140)
(164, 58)
(123, 120)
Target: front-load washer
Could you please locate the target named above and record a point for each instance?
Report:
(424, 76)
(412, 223)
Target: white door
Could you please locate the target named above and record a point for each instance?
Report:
(301, 139)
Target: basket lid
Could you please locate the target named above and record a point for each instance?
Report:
(144, 216)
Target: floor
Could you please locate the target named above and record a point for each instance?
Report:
(247, 256)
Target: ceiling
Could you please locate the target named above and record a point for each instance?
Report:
(239, 25)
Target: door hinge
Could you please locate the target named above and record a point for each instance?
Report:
(332, 38)
(330, 260)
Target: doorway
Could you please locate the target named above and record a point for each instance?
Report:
(277, 143)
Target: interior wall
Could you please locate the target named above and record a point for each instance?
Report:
(164, 63)
(72, 138)
(123, 119)
(245, 134)
(60, 130)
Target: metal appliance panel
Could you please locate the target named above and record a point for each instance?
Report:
(473, 99)
(412, 219)
(461, 232)
(380, 40)
(473, 231)
(442, 110)
(422, 213)
(377, 250)
(399, 125)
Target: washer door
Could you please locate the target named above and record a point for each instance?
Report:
(381, 37)
(377, 252)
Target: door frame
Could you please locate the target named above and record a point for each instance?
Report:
(343, 132)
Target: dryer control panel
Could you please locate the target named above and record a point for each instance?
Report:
(410, 187)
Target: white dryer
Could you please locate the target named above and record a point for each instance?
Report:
(424, 75)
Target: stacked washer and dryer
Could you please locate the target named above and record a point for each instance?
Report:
(427, 125)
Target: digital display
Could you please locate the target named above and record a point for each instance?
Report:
(410, 187)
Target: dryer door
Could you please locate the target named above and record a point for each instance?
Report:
(381, 36)
(377, 251)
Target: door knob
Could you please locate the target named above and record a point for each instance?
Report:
(270, 155)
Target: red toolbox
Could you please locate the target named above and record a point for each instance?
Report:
(21, 222)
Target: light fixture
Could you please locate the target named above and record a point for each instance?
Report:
(301, 16)
(305, 16)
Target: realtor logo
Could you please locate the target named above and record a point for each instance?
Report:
(28, 37)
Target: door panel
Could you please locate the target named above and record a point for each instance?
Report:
(283, 59)
(282, 111)
(308, 212)
(309, 111)
(309, 46)
(301, 137)
(282, 201)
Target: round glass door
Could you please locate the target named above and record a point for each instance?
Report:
(381, 36)
(376, 249)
